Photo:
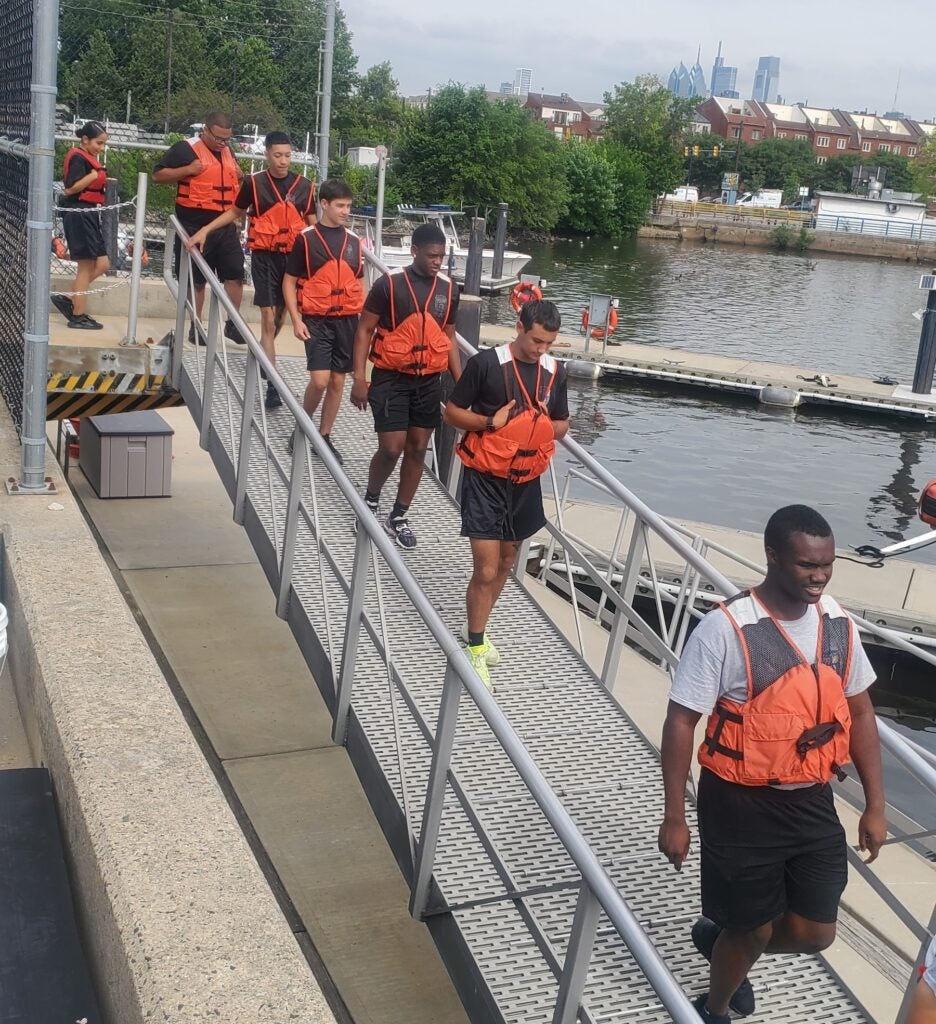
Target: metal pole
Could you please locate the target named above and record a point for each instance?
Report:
(32, 478)
(475, 250)
(328, 54)
(381, 187)
(170, 22)
(109, 221)
(137, 262)
(500, 242)
(926, 354)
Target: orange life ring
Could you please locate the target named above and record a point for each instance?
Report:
(928, 504)
(598, 332)
(522, 293)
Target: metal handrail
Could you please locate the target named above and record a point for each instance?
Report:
(596, 881)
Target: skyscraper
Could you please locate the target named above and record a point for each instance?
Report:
(523, 79)
(687, 82)
(724, 78)
(766, 80)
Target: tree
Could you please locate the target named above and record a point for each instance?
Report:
(374, 113)
(592, 184)
(705, 170)
(97, 81)
(777, 163)
(648, 120)
(463, 150)
(923, 168)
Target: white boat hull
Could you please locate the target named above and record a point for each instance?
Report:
(514, 262)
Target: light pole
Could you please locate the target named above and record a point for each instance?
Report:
(76, 68)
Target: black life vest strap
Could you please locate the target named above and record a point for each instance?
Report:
(712, 742)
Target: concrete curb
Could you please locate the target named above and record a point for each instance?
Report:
(178, 921)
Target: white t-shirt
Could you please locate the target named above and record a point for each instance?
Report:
(712, 665)
(929, 973)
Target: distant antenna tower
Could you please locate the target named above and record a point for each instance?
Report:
(896, 91)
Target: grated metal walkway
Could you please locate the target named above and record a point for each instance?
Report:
(506, 888)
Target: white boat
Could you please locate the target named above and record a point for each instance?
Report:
(397, 237)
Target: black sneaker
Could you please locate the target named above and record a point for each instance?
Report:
(706, 1015)
(85, 323)
(233, 334)
(327, 439)
(272, 400)
(704, 934)
(193, 335)
(399, 528)
(64, 305)
(291, 443)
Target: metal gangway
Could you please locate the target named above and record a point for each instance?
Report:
(524, 822)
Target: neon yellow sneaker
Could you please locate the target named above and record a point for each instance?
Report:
(478, 659)
(491, 653)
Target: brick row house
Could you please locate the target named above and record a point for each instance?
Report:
(830, 132)
(567, 117)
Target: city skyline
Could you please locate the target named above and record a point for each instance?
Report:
(595, 50)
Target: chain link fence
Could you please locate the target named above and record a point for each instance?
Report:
(16, 16)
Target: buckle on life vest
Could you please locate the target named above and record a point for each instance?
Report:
(338, 291)
(712, 742)
(817, 736)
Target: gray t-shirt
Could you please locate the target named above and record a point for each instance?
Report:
(929, 973)
(712, 664)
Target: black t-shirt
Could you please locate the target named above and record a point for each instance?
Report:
(378, 298)
(482, 387)
(181, 154)
(78, 167)
(296, 262)
(244, 200)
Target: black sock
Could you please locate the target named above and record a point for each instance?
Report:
(372, 499)
(398, 511)
(475, 639)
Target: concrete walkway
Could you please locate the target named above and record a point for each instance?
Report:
(14, 746)
(190, 574)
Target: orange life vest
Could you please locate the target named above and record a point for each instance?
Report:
(794, 727)
(94, 193)
(928, 504)
(521, 449)
(416, 342)
(332, 285)
(217, 185)
(277, 220)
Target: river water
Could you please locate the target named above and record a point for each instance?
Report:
(728, 460)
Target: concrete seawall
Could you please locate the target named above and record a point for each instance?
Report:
(178, 922)
(743, 232)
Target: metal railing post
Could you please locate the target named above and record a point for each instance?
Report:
(578, 957)
(136, 265)
(243, 451)
(211, 347)
(32, 478)
(620, 623)
(296, 483)
(352, 634)
(178, 335)
(435, 792)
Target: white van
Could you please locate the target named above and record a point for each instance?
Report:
(771, 198)
(683, 194)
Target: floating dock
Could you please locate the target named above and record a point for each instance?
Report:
(771, 383)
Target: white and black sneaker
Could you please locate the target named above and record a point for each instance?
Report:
(64, 305)
(399, 528)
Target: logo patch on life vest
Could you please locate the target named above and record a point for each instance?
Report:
(439, 305)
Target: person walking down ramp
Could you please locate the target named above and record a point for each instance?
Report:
(407, 331)
(781, 675)
(512, 402)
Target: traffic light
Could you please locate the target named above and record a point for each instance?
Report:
(695, 150)
(715, 151)
(685, 151)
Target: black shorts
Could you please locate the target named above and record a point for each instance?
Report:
(330, 345)
(496, 509)
(765, 851)
(403, 400)
(222, 253)
(267, 270)
(83, 234)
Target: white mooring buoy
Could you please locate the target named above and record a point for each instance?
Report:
(583, 368)
(781, 397)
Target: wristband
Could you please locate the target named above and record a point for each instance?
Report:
(489, 423)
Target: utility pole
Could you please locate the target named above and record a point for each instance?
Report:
(170, 23)
(328, 55)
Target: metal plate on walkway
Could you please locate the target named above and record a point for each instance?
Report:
(495, 845)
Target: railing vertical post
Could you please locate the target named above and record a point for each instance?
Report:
(296, 483)
(178, 335)
(352, 634)
(211, 347)
(136, 263)
(243, 450)
(435, 792)
(578, 957)
(627, 590)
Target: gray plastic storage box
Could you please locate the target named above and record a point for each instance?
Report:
(127, 455)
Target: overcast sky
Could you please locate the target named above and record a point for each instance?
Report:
(832, 53)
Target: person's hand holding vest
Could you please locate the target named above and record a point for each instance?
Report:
(359, 393)
(503, 414)
(194, 168)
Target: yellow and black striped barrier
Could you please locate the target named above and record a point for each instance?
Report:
(96, 393)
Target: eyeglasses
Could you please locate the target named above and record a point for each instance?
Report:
(224, 140)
